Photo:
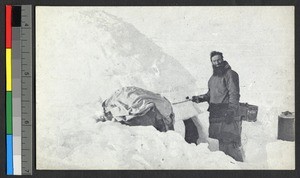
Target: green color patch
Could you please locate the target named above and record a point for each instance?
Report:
(8, 112)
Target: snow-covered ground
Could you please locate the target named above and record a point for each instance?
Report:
(91, 52)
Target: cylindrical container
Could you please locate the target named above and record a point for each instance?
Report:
(286, 126)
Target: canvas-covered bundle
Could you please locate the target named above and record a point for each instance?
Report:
(136, 106)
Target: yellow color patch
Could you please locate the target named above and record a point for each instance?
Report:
(8, 70)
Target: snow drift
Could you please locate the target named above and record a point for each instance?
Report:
(115, 54)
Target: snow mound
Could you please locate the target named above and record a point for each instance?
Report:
(138, 147)
(116, 54)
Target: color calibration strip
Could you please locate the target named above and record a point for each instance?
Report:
(18, 90)
(9, 130)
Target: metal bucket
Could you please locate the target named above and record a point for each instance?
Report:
(286, 126)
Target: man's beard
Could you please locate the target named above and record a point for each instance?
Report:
(220, 70)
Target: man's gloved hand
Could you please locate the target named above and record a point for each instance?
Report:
(229, 116)
(195, 99)
(198, 99)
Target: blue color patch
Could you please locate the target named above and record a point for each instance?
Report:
(9, 155)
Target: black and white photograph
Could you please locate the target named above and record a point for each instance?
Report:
(165, 88)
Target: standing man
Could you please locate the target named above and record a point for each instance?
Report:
(223, 97)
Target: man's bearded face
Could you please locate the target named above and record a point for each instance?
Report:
(218, 65)
(217, 60)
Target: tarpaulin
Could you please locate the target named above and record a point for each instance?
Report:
(131, 102)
